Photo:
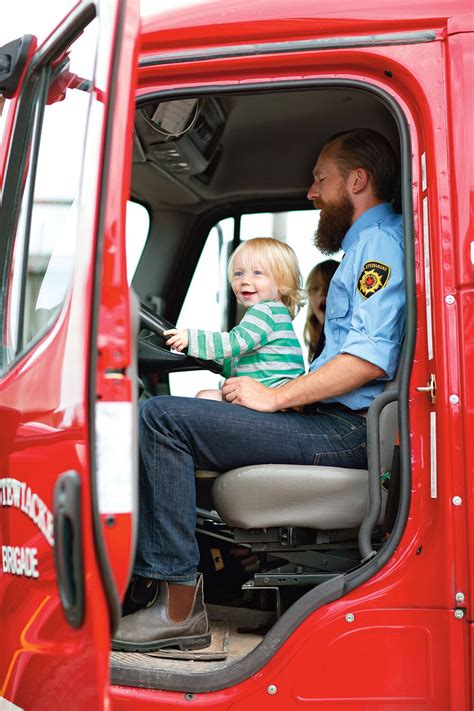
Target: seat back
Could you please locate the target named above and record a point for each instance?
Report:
(388, 429)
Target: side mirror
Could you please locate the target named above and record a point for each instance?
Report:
(13, 58)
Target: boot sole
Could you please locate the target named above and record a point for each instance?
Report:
(186, 644)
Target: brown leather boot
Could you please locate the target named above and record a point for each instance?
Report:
(140, 592)
(177, 617)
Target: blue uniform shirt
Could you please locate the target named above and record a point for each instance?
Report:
(365, 309)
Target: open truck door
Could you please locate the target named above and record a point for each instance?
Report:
(67, 490)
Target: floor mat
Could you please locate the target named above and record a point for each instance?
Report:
(218, 649)
(151, 672)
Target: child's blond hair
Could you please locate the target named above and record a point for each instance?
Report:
(280, 261)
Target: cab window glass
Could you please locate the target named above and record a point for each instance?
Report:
(297, 229)
(4, 107)
(40, 272)
(137, 228)
(206, 303)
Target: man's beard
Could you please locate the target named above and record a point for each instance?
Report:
(334, 221)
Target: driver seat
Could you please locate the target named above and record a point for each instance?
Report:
(289, 509)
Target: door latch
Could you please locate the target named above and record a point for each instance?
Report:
(430, 389)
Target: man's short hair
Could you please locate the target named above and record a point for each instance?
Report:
(368, 149)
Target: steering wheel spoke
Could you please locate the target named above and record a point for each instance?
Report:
(158, 325)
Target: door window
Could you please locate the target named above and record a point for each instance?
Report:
(137, 228)
(4, 107)
(41, 243)
(206, 304)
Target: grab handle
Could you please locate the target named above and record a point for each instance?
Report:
(68, 546)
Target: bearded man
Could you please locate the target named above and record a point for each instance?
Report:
(318, 418)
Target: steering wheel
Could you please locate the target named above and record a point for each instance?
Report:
(151, 349)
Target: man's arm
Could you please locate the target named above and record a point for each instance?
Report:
(342, 374)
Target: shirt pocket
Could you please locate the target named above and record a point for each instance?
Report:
(337, 316)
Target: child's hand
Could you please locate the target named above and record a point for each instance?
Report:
(179, 338)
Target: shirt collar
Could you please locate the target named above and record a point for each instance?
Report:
(369, 217)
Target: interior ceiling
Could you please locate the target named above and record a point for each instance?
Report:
(267, 148)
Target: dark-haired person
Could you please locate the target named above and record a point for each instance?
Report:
(317, 287)
(354, 182)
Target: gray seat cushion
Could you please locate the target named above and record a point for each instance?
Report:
(273, 495)
(325, 498)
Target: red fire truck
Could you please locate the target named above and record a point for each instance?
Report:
(205, 120)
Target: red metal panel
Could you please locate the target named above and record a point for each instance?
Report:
(460, 62)
(380, 659)
(114, 334)
(44, 662)
(202, 24)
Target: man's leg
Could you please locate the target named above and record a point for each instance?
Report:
(179, 435)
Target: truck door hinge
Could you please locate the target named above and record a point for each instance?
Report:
(429, 389)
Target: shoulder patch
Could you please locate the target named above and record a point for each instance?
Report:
(374, 276)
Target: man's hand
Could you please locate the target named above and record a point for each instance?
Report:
(250, 393)
(340, 375)
(179, 338)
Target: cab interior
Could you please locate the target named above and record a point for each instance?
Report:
(208, 164)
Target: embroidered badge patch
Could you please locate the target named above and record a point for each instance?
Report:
(374, 277)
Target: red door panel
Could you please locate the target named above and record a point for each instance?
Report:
(55, 609)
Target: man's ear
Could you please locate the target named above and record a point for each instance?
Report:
(359, 180)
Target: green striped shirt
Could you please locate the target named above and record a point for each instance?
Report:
(263, 346)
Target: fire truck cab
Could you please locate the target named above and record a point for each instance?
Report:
(136, 154)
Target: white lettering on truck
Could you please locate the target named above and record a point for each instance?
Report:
(17, 560)
(18, 495)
